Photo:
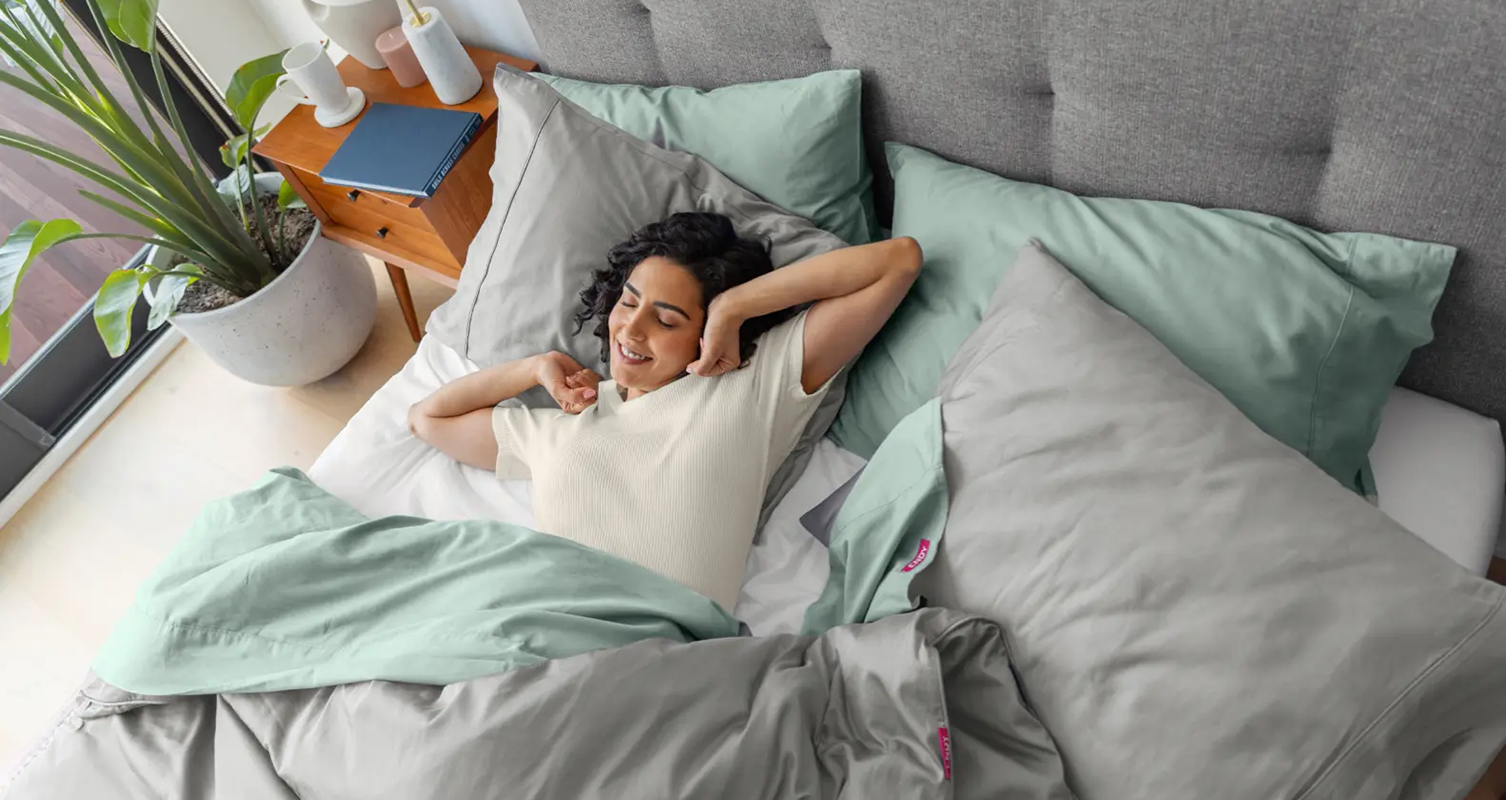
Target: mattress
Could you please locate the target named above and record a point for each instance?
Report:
(1439, 471)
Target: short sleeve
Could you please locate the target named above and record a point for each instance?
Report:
(778, 363)
(521, 433)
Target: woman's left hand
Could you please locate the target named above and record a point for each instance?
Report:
(721, 343)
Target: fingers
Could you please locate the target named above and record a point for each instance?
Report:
(707, 365)
(718, 357)
(710, 369)
(566, 385)
(576, 397)
(584, 379)
(572, 399)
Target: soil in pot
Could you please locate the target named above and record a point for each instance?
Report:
(297, 227)
(204, 296)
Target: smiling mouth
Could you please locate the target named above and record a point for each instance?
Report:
(631, 358)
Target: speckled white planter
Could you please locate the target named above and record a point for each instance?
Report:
(301, 327)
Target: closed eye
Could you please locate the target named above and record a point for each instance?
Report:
(663, 322)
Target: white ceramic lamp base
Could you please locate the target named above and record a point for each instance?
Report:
(451, 72)
(333, 118)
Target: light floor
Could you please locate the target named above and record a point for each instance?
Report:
(71, 559)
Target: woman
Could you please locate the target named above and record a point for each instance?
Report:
(712, 382)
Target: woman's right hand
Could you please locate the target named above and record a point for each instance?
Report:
(570, 384)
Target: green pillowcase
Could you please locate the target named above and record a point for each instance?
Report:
(796, 143)
(1304, 332)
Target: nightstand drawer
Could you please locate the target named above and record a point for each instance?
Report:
(351, 207)
(380, 221)
(382, 228)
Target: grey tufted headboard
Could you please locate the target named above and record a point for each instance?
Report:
(1369, 115)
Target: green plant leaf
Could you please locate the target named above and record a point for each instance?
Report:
(132, 21)
(253, 82)
(27, 241)
(154, 224)
(233, 152)
(165, 297)
(230, 246)
(288, 198)
(231, 186)
(113, 306)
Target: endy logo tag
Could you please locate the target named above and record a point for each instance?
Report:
(946, 751)
(920, 555)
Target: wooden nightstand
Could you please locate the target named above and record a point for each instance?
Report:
(430, 235)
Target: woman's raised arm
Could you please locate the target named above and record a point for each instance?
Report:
(457, 418)
(854, 290)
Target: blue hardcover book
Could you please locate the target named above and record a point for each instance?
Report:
(401, 149)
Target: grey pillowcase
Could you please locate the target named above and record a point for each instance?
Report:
(566, 187)
(818, 521)
(1193, 608)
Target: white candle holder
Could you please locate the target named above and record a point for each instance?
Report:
(451, 72)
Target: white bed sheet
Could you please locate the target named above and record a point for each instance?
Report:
(1439, 470)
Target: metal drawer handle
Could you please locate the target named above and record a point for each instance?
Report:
(382, 232)
(352, 195)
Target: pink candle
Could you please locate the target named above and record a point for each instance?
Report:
(394, 47)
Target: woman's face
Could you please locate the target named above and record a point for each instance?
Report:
(656, 325)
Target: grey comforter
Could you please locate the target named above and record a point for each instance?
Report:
(918, 705)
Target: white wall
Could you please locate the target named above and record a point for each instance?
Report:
(220, 34)
(493, 24)
(223, 34)
(286, 20)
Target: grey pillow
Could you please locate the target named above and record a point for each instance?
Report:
(1193, 608)
(566, 187)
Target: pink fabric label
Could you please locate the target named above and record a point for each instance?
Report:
(920, 555)
(946, 751)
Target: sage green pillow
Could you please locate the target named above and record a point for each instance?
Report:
(1304, 332)
(797, 143)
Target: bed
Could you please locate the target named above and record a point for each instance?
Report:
(1261, 631)
(1438, 471)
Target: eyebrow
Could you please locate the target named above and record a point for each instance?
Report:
(657, 303)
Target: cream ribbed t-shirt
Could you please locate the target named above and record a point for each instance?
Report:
(674, 479)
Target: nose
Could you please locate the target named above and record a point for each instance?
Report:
(633, 328)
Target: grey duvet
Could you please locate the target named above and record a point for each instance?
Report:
(915, 706)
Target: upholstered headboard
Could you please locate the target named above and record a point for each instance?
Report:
(1368, 115)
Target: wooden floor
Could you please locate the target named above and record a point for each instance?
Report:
(70, 560)
(33, 188)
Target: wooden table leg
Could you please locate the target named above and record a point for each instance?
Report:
(404, 299)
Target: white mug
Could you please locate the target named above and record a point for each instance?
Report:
(310, 69)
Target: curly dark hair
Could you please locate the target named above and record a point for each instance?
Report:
(704, 244)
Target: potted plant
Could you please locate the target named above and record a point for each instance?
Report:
(239, 267)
